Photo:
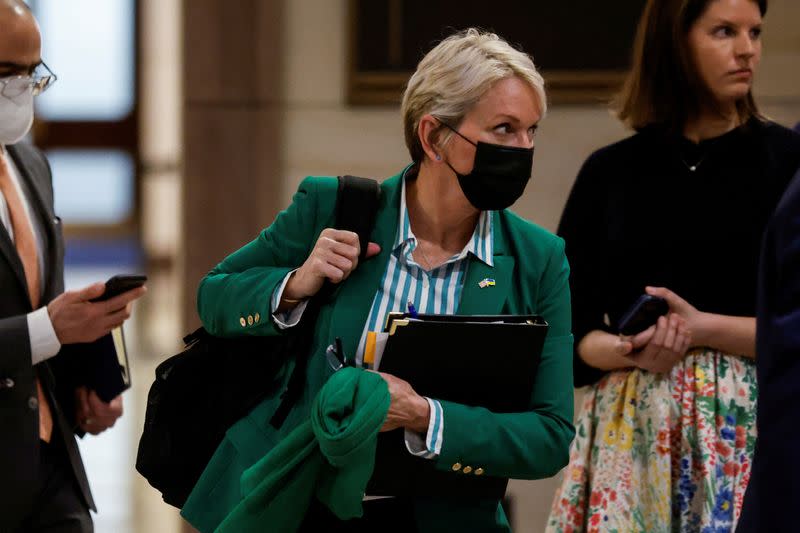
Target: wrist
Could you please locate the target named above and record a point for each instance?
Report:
(291, 293)
(50, 316)
(603, 350)
(422, 415)
(702, 329)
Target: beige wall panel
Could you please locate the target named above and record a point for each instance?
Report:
(778, 77)
(316, 48)
(780, 26)
(786, 113)
(340, 141)
(531, 503)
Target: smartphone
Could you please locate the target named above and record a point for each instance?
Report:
(119, 284)
(642, 314)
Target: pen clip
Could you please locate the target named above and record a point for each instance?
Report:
(335, 355)
(333, 358)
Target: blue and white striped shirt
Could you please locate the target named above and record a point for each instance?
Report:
(435, 292)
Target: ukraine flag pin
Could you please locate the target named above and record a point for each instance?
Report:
(486, 282)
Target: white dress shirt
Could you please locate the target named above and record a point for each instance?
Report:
(43, 338)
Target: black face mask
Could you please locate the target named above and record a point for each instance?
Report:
(499, 174)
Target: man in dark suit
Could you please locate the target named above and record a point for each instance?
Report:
(771, 500)
(43, 486)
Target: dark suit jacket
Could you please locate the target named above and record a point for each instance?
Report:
(19, 419)
(774, 491)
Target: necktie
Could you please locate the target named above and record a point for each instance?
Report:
(25, 243)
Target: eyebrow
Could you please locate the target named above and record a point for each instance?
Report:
(512, 118)
(506, 116)
(726, 22)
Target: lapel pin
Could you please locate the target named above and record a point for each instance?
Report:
(486, 282)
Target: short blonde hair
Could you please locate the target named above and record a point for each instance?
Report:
(453, 76)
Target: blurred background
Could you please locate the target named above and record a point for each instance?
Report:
(178, 129)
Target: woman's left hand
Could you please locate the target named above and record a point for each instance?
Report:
(408, 409)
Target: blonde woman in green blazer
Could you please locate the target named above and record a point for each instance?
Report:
(470, 113)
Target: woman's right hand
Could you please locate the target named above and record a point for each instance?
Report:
(334, 257)
(659, 347)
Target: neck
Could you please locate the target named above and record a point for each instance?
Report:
(710, 124)
(437, 209)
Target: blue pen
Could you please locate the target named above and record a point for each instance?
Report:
(412, 311)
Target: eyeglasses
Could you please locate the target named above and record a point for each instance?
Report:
(38, 82)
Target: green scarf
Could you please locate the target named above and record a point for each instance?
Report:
(330, 457)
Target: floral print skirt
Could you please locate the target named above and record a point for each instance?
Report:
(662, 453)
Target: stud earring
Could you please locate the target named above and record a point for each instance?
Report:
(438, 157)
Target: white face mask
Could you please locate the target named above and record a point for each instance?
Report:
(16, 115)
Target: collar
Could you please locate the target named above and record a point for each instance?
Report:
(481, 245)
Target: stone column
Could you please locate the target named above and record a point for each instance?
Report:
(233, 129)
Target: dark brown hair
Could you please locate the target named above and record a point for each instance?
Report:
(663, 87)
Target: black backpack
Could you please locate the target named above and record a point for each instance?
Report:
(201, 392)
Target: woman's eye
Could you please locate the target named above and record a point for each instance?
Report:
(504, 128)
(723, 31)
(755, 33)
(532, 131)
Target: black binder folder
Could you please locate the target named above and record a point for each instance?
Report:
(485, 361)
(102, 365)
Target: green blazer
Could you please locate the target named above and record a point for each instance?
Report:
(531, 274)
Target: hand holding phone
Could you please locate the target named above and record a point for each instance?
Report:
(76, 319)
(642, 314)
(120, 284)
(660, 347)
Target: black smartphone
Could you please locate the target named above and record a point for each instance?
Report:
(119, 284)
(642, 314)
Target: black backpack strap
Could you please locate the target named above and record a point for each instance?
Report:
(357, 206)
(357, 201)
(196, 335)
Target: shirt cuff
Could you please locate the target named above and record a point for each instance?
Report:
(44, 341)
(287, 319)
(431, 447)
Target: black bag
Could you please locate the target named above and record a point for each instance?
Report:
(201, 392)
